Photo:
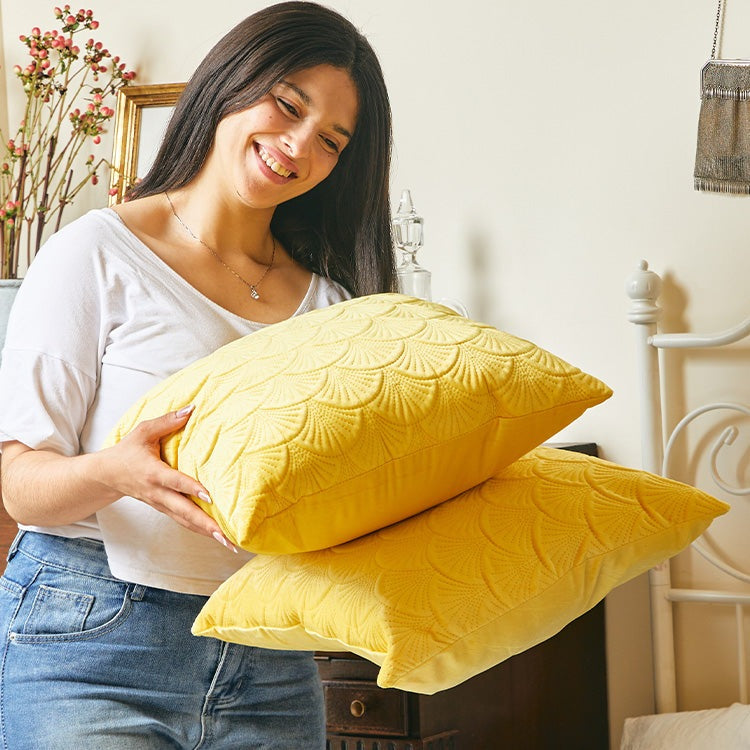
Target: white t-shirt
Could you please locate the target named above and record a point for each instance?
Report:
(98, 321)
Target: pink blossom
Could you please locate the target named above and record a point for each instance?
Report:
(39, 75)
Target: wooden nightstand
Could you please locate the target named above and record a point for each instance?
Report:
(551, 697)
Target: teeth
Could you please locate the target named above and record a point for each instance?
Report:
(272, 163)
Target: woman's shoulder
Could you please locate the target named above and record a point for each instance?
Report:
(111, 223)
(142, 215)
(79, 237)
(325, 291)
(81, 251)
(91, 222)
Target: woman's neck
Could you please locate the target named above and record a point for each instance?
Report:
(224, 223)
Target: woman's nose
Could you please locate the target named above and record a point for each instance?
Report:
(298, 141)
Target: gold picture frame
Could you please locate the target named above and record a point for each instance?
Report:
(141, 113)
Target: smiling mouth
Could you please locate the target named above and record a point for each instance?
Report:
(273, 165)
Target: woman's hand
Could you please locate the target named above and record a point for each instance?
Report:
(43, 488)
(135, 467)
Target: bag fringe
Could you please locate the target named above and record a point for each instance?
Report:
(721, 186)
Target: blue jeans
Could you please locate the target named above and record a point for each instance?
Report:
(90, 661)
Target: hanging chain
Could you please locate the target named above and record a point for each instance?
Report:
(716, 29)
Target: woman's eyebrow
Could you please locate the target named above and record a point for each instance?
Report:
(302, 94)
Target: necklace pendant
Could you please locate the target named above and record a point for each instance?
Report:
(253, 287)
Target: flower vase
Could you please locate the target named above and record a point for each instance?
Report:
(8, 289)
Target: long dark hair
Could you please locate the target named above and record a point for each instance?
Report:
(340, 228)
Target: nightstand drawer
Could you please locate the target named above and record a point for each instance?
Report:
(364, 708)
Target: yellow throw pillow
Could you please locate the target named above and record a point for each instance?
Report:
(440, 597)
(332, 424)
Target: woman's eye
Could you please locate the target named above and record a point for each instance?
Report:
(330, 145)
(288, 107)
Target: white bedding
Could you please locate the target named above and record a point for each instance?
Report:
(711, 729)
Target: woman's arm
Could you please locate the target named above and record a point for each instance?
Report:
(43, 488)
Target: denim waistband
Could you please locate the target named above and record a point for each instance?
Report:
(82, 554)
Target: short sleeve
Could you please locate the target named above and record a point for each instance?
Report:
(45, 401)
(52, 354)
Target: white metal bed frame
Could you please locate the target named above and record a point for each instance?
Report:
(643, 287)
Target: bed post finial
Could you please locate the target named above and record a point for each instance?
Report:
(643, 287)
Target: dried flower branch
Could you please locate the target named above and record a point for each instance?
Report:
(40, 173)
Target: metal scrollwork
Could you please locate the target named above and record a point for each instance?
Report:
(727, 437)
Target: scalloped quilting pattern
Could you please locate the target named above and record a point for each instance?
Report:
(379, 407)
(442, 596)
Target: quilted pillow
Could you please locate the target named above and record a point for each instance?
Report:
(440, 597)
(332, 424)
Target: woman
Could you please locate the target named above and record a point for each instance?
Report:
(269, 197)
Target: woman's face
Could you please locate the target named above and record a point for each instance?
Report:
(288, 141)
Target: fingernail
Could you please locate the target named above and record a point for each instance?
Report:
(205, 497)
(221, 540)
(184, 411)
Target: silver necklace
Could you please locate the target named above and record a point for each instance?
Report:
(252, 287)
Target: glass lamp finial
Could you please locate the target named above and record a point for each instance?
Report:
(409, 238)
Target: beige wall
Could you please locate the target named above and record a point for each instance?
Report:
(549, 147)
(3, 88)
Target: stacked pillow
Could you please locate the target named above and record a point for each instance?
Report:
(343, 420)
(371, 452)
(458, 588)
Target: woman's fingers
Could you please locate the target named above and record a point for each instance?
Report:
(184, 511)
(151, 430)
(169, 492)
(157, 484)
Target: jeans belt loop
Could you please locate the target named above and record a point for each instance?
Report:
(14, 546)
(137, 593)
